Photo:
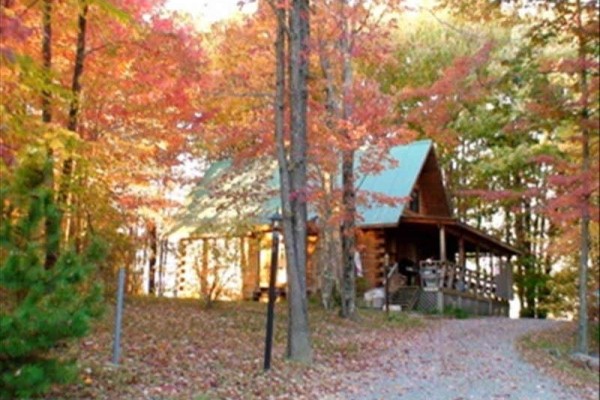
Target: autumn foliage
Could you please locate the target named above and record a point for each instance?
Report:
(128, 101)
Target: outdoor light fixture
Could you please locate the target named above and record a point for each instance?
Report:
(275, 221)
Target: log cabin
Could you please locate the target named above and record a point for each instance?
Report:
(431, 260)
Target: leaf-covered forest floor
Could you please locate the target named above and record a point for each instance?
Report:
(549, 351)
(175, 349)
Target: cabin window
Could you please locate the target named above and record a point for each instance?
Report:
(414, 201)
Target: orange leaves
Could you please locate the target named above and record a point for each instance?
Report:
(142, 78)
(133, 202)
(242, 77)
(143, 106)
(13, 31)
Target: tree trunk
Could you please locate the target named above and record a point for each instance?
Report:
(74, 105)
(293, 173)
(329, 248)
(162, 259)
(153, 245)
(329, 240)
(531, 290)
(521, 261)
(349, 195)
(348, 238)
(299, 346)
(52, 243)
(582, 327)
(203, 270)
(47, 57)
(522, 223)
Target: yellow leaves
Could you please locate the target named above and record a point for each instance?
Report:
(146, 146)
(113, 11)
(59, 139)
(162, 145)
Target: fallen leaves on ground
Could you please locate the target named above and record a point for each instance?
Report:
(549, 350)
(175, 349)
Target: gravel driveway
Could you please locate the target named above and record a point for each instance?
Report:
(460, 360)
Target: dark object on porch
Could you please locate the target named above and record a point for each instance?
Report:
(261, 292)
(409, 270)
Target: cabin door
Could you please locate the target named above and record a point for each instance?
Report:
(266, 246)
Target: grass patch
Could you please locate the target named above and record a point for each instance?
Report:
(595, 337)
(403, 319)
(450, 312)
(456, 312)
(549, 350)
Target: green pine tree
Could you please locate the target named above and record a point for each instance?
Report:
(42, 305)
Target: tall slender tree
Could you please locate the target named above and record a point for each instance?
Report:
(293, 166)
(583, 25)
(351, 38)
(53, 243)
(348, 185)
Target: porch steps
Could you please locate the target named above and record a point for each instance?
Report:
(406, 297)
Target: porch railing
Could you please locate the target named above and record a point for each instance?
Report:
(437, 274)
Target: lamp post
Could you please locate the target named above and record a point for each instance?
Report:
(275, 220)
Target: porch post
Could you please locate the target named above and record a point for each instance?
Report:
(442, 243)
(501, 281)
(477, 272)
(491, 280)
(461, 252)
(462, 262)
(509, 278)
(439, 297)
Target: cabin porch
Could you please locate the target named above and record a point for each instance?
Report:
(444, 285)
(432, 263)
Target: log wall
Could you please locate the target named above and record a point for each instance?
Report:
(371, 245)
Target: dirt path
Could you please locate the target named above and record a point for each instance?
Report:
(460, 360)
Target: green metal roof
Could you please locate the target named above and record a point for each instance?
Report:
(395, 181)
(251, 194)
(227, 198)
